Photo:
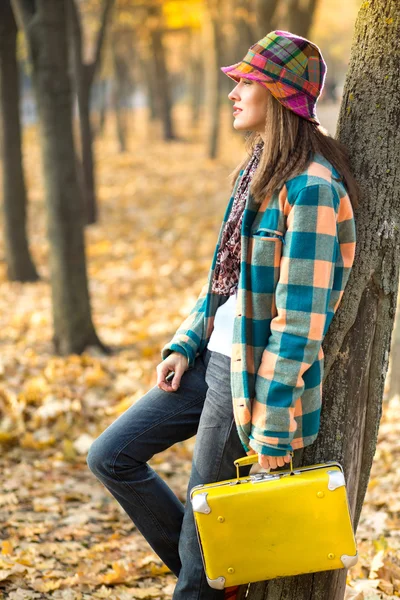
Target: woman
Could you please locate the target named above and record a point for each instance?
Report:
(244, 370)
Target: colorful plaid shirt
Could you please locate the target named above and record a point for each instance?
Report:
(297, 251)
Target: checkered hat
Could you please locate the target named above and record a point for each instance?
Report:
(289, 66)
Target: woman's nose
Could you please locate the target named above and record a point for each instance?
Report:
(232, 95)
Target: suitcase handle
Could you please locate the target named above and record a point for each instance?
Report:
(253, 458)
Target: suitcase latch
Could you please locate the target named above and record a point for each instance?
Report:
(258, 477)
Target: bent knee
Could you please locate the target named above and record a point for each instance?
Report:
(107, 458)
(100, 457)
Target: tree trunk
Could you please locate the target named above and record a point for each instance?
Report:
(357, 344)
(394, 385)
(151, 80)
(300, 16)
(120, 86)
(195, 78)
(265, 12)
(103, 105)
(83, 76)
(44, 23)
(161, 73)
(20, 266)
(244, 31)
(212, 41)
(88, 165)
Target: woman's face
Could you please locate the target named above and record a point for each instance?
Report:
(252, 98)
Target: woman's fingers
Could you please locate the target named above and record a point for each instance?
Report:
(272, 462)
(170, 371)
(168, 380)
(162, 373)
(176, 381)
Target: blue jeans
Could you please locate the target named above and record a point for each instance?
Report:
(202, 405)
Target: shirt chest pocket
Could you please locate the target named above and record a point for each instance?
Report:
(266, 251)
(268, 234)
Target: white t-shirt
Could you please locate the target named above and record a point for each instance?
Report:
(222, 335)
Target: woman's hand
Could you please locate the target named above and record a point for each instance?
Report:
(175, 363)
(270, 462)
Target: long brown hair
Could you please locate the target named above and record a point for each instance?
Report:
(288, 150)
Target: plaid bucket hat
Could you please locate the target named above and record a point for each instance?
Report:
(291, 67)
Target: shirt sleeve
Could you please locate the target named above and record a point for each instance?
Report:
(189, 334)
(302, 298)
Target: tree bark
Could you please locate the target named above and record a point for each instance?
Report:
(357, 344)
(83, 76)
(44, 23)
(20, 266)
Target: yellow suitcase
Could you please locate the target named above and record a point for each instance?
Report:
(270, 525)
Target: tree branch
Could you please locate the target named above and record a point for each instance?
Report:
(24, 11)
(107, 6)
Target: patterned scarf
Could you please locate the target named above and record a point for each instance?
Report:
(227, 267)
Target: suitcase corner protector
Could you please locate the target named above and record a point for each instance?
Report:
(349, 560)
(216, 584)
(335, 480)
(200, 504)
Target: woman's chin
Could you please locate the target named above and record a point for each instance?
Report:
(238, 124)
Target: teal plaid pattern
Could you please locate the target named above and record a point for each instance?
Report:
(297, 251)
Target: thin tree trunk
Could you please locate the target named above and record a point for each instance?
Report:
(162, 85)
(103, 105)
(212, 41)
(149, 77)
(88, 164)
(357, 344)
(300, 16)
(20, 266)
(195, 79)
(84, 74)
(44, 23)
(244, 30)
(120, 85)
(265, 12)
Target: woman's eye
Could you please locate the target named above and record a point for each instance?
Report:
(249, 82)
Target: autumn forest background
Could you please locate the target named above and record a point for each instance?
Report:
(108, 223)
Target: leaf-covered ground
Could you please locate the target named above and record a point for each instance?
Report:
(63, 535)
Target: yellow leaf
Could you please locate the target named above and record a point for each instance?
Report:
(6, 547)
(68, 449)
